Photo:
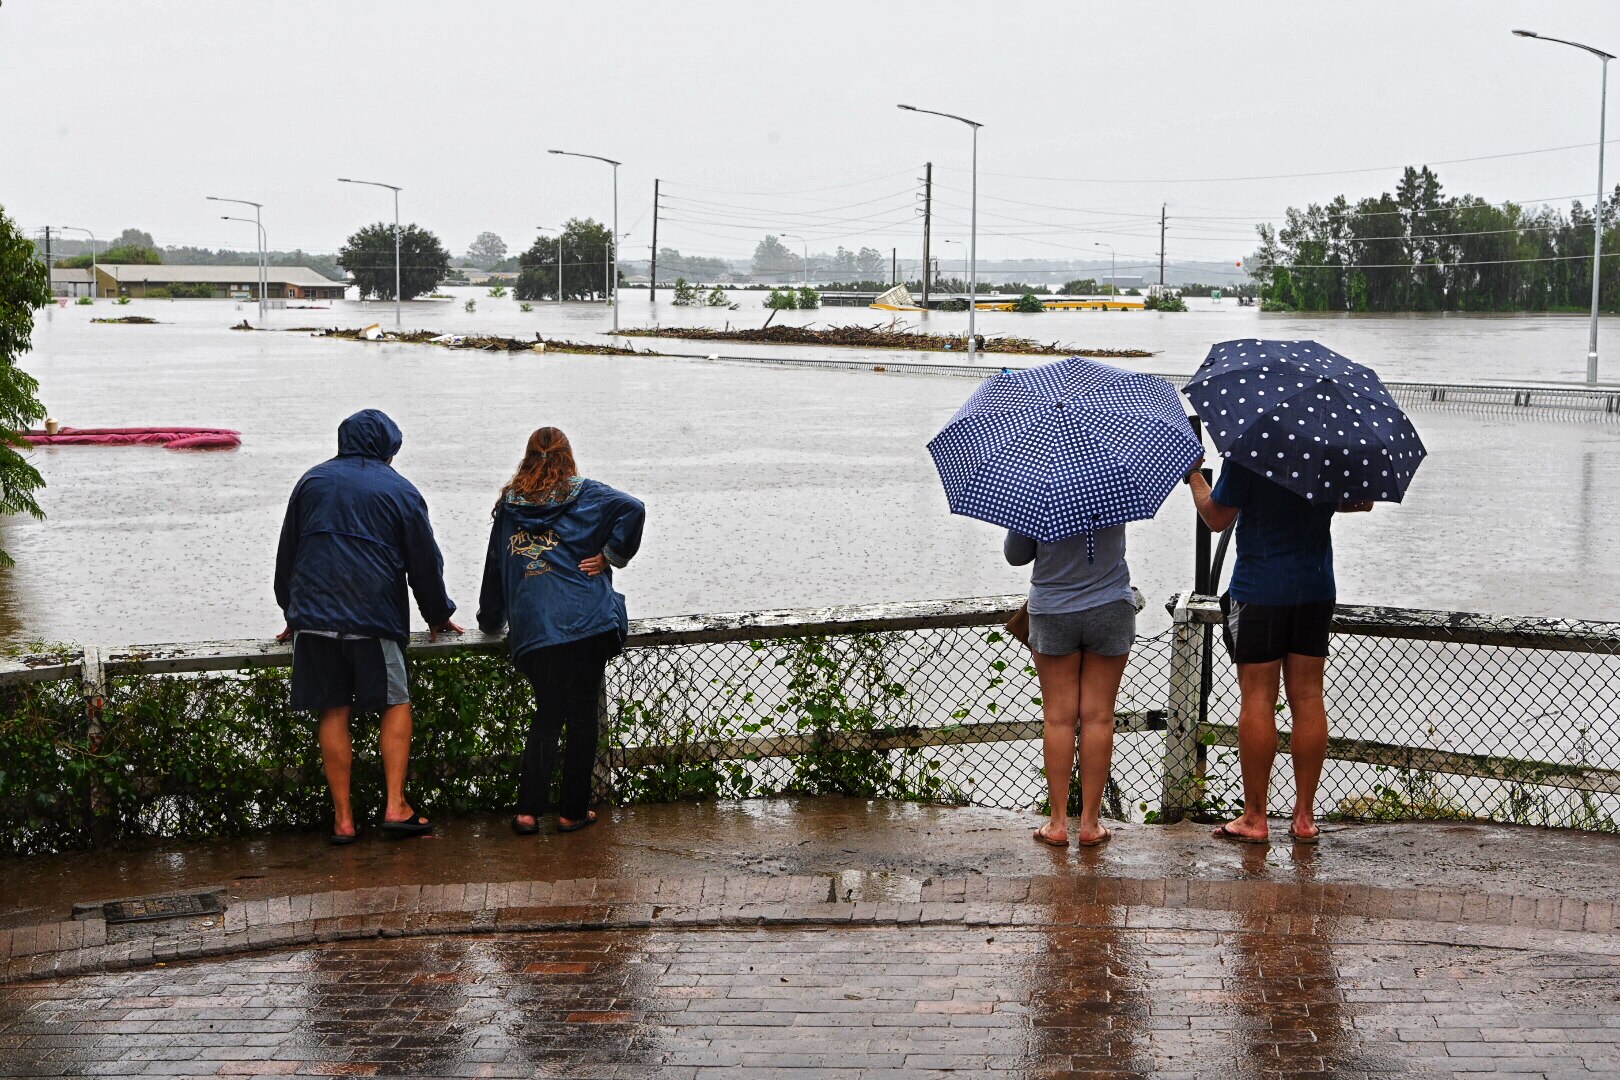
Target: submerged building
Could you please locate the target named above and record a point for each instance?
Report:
(213, 282)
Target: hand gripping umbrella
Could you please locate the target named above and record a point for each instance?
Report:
(1302, 415)
(1065, 449)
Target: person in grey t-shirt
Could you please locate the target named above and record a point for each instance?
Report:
(1082, 623)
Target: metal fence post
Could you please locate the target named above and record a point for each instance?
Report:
(602, 772)
(1186, 692)
(93, 688)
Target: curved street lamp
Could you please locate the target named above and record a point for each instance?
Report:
(264, 261)
(1113, 289)
(396, 191)
(615, 284)
(95, 285)
(973, 224)
(543, 228)
(806, 243)
(1597, 226)
(264, 271)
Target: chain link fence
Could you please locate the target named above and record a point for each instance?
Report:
(1433, 715)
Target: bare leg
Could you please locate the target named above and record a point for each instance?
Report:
(337, 755)
(1302, 676)
(1060, 705)
(1099, 690)
(1257, 744)
(394, 740)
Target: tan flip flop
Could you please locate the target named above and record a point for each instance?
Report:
(1223, 833)
(1106, 836)
(1042, 838)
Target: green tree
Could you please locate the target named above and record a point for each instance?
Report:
(783, 300)
(809, 299)
(1080, 287)
(487, 251)
(123, 253)
(369, 256)
(685, 294)
(1028, 302)
(717, 298)
(869, 262)
(773, 259)
(24, 286)
(587, 249)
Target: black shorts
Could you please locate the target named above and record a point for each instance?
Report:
(1262, 633)
(365, 674)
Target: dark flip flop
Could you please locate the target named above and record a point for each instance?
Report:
(1309, 840)
(339, 840)
(1106, 836)
(524, 830)
(415, 825)
(588, 820)
(1223, 833)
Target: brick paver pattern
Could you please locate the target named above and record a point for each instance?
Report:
(1221, 999)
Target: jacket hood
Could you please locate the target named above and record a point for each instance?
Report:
(369, 433)
(531, 514)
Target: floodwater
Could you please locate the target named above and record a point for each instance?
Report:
(766, 487)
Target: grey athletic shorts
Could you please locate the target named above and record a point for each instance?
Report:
(1109, 630)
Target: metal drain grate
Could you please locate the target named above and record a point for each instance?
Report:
(162, 907)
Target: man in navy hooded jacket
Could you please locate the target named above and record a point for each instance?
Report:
(356, 533)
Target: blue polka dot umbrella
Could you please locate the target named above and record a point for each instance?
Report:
(1065, 449)
(1302, 415)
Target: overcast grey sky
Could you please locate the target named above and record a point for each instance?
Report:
(120, 114)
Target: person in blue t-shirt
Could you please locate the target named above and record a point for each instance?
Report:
(1279, 614)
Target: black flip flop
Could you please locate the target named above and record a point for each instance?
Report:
(339, 840)
(587, 820)
(1223, 833)
(525, 830)
(415, 825)
(1314, 838)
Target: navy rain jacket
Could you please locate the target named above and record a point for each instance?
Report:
(531, 572)
(356, 531)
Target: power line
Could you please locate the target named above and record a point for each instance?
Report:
(1289, 176)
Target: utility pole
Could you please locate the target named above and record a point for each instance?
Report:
(652, 284)
(928, 216)
(48, 285)
(894, 266)
(1161, 245)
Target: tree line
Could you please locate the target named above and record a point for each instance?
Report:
(1421, 250)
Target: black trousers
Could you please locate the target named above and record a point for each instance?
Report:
(567, 682)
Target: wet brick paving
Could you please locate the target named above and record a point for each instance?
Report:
(1223, 998)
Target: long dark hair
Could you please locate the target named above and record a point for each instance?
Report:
(546, 470)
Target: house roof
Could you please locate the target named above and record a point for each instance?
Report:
(61, 276)
(167, 273)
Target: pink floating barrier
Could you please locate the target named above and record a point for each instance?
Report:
(175, 438)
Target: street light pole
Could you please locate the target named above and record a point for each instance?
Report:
(398, 325)
(1597, 225)
(265, 273)
(543, 228)
(264, 269)
(615, 270)
(95, 286)
(1113, 289)
(973, 226)
(806, 243)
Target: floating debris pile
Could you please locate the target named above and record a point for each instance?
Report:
(480, 342)
(141, 320)
(874, 337)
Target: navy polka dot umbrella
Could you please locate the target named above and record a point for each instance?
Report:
(1299, 413)
(1065, 449)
